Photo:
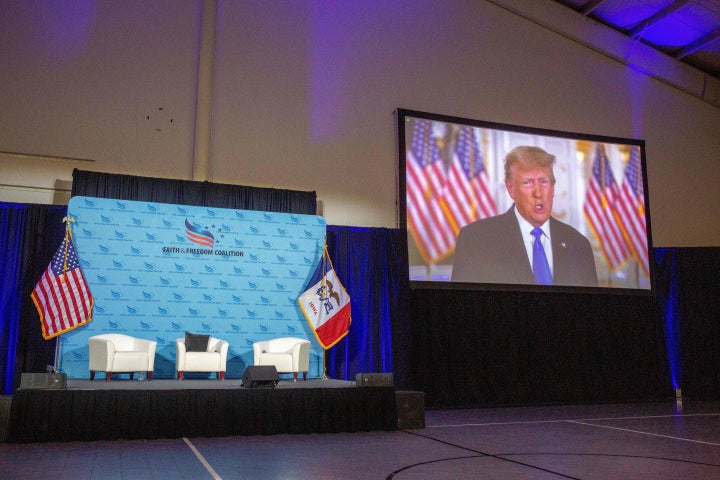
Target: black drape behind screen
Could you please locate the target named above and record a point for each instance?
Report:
(508, 348)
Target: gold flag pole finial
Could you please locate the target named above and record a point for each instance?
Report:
(68, 235)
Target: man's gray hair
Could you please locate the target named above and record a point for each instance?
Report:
(527, 156)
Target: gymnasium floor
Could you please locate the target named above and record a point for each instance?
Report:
(631, 441)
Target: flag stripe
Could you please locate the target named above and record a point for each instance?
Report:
(599, 210)
(332, 331)
(631, 211)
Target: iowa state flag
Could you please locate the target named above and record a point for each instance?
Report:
(326, 304)
(61, 296)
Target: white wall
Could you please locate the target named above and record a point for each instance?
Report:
(304, 94)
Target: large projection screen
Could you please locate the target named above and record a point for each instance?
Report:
(468, 224)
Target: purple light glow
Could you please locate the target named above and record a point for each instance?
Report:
(63, 29)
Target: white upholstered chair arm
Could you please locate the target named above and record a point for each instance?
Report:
(301, 356)
(180, 353)
(102, 352)
(222, 348)
(258, 348)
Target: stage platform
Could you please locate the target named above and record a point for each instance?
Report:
(131, 409)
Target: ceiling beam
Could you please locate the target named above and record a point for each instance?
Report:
(588, 8)
(636, 31)
(698, 44)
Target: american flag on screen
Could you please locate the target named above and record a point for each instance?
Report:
(62, 296)
(602, 194)
(426, 181)
(630, 210)
(467, 197)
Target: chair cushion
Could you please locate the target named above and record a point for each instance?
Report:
(195, 342)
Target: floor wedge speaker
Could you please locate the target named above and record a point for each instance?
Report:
(374, 379)
(260, 376)
(47, 381)
(410, 409)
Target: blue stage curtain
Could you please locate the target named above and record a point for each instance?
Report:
(667, 285)
(372, 264)
(186, 192)
(29, 236)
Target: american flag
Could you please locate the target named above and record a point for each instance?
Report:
(630, 210)
(426, 179)
(600, 200)
(62, 296)
(467, 195)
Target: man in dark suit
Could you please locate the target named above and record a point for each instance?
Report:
(503, 249)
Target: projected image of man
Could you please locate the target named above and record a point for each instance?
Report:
(525, 245)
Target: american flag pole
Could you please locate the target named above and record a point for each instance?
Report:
(68, 236)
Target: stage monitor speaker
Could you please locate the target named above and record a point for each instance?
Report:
(260, 376)
(374, 379)
(410, 409)
(46, 381)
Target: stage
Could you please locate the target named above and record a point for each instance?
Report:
(132, 409)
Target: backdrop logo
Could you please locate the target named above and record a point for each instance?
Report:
(199, 235)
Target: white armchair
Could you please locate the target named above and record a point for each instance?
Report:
(287, 354)
(118, 353)
(214, 359)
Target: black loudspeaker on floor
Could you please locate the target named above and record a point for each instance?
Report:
(260, 376)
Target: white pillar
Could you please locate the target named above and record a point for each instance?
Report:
(203, 110)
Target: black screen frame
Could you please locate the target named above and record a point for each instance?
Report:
(402, 116)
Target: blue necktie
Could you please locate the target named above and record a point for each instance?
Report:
(540, 265)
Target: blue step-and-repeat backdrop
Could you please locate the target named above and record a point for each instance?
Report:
(158, 270)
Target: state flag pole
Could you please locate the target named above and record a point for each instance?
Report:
(325, 375)
(326, 306)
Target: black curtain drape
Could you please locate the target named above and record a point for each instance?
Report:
(29, 236)
(510, 348)
(185, 192)
(698, 320)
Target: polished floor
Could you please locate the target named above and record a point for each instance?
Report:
(631, 441)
